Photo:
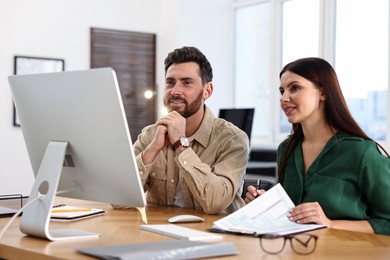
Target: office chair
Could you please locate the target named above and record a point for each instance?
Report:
(261, 184)
(240, 117)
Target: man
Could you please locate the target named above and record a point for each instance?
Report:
(189, 158)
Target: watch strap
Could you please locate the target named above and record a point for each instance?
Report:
(176, 144)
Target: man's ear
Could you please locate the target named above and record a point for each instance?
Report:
(207, 90)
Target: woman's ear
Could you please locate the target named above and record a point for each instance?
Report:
(322, 97)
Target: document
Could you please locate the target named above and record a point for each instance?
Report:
(267, 214)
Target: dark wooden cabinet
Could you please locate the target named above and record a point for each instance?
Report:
(133, 57)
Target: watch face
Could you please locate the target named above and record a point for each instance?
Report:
(184, 141)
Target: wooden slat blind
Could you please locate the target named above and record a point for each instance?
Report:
(133, 57)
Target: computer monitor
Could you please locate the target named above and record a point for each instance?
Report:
(240, 117)
(78, 142)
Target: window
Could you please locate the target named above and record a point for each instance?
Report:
(299, 38)
(351, 34)
(252, 62)
(300, 29)
(362, 61)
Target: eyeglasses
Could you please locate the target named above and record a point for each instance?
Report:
(302, 244)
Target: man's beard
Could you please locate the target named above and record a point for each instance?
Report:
(189, 109)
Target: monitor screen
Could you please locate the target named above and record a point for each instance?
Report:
(240, 117)
(75, 129)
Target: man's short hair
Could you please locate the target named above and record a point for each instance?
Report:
(191, 54)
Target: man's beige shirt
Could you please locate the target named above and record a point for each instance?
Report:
(210, 171)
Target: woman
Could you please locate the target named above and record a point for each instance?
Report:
(328, 166)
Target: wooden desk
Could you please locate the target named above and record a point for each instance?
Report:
(121, 227)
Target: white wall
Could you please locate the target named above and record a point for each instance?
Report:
(60, 29)
(207, 25)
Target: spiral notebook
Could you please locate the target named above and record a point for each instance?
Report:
(63, 212)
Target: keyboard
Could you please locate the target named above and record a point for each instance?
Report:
(180, 232)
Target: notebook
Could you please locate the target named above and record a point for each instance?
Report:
(167, 249)
(65, 212)
(7, 212)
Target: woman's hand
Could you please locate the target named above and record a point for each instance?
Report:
(309, 212)
(252, 193)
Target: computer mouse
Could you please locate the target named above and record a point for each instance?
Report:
(184, 218)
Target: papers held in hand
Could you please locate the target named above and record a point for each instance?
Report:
(267, 214)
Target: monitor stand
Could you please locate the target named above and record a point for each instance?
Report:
(36, 216)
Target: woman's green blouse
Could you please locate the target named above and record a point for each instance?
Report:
(350, 179)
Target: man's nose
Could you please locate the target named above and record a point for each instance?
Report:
(176, 88)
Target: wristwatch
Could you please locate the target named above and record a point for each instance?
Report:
(183, 141)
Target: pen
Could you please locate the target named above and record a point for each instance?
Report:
(241, 231)
(258, 184)
(69, 210)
